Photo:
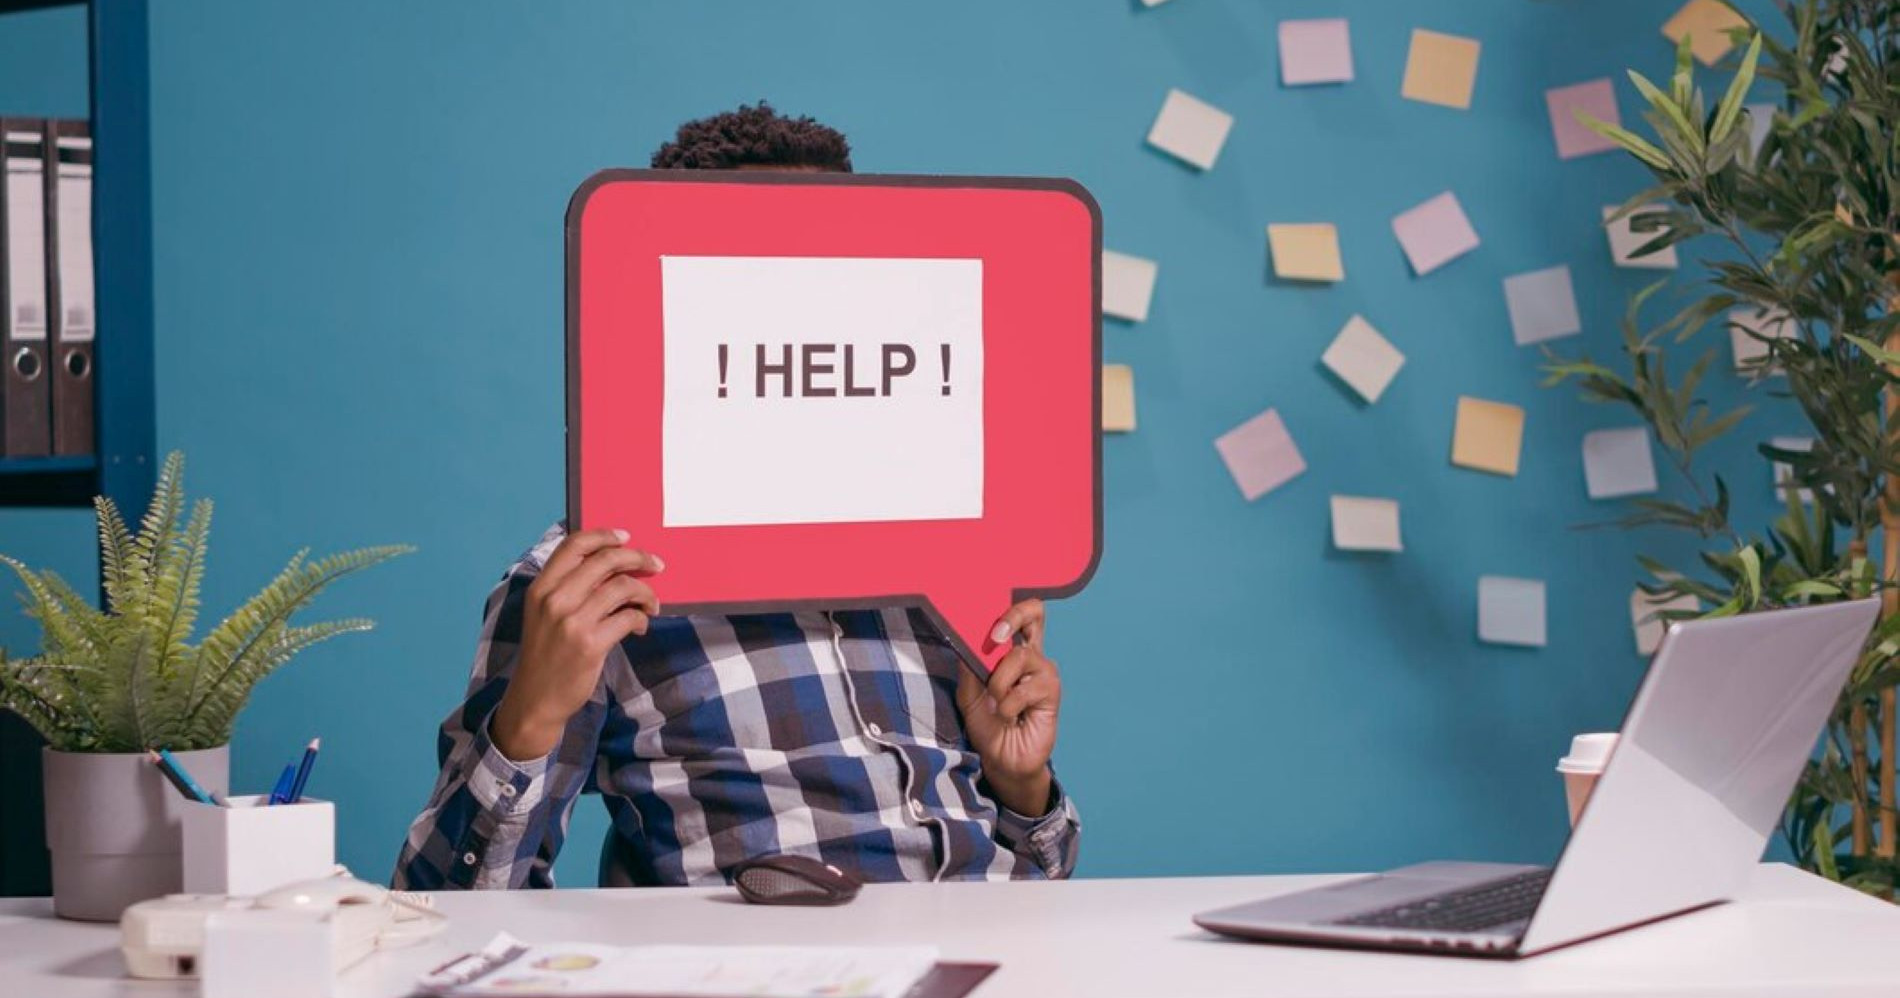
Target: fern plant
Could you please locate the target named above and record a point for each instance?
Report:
(127, 678)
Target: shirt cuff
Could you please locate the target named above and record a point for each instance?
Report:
(505, 788)
(1044, 837)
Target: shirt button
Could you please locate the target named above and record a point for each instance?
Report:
(507, 790)
(875, 730)
(917, 810)
(469, 858)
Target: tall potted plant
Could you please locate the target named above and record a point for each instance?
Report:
(109, 685)
(1808, 225)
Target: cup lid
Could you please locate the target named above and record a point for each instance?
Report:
(1588, 753)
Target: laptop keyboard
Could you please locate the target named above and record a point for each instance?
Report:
(1497, 902)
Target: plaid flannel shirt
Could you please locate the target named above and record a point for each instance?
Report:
(713, 740)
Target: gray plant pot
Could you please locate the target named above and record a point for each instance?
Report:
(112, 826)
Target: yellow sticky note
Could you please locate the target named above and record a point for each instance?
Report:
(1118, 398)
(1489, 436)
(1706, 23)
(1441, 69)
(1306, 252)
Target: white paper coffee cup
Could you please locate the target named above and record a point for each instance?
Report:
(1589, 753)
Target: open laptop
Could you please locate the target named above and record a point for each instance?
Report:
(1714, 741)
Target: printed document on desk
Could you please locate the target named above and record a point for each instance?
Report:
(507, 966)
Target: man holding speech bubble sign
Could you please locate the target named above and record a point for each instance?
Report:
(830, 676)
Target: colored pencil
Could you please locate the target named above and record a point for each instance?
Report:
(303, 769)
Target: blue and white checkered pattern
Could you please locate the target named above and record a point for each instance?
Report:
(714, 740)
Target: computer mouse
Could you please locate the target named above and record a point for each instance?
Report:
(799, 880)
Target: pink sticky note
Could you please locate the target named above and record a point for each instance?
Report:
(1596, 98)
(1260, 454)
(1435, 233)
(1318, 51)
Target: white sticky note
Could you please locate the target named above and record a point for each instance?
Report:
(1260, 454)
(1625, 241)
(1761, 119)
(1511, 611)
(1543, 305)
(1435, 233)
(813, 348)
(1362, 523)
(1746, 328)
(1153, 3)
(1190, 129)
(1644, 620)
(1363, 359)
(1784, 472)
(1128, 284)
(1618, 463)
(1316, 51)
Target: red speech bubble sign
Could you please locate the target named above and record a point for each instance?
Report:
(839, 391)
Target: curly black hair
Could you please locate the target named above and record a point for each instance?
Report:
(754, 135)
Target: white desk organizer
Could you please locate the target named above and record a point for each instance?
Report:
(251, 847)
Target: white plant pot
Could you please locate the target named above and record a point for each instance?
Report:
(112, 826)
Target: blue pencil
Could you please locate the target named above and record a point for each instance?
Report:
(281, 792)
(180, 776)
(303, 769)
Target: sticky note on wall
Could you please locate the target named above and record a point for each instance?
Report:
(1596, 98)
(1749, 330)
(1441, 69)
(1434, 233)
(1784, 472)
(1488, 436)
(1128, 285)
(1625, 241)
(1542, 304)
(1645, 619)
(1706, 23)
(1363, 359)
(1315, 51)
(1306, 252)
(1511, 611)
(1761, 121)
(1118, 398)
(1190, 129)
(1260, 454)
(1363, 523)
(1618, 463)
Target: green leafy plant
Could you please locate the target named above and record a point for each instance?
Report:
(125, 679)
(1808, 223)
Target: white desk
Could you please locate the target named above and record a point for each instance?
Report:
(1793, 935)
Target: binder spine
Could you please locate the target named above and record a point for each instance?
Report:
(23, 326)
(70, 291)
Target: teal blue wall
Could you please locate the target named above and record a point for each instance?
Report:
(358, 213)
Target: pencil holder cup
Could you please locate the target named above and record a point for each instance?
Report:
(251, 846)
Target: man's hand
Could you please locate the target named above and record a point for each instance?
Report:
(586, 600)
(1012, 720)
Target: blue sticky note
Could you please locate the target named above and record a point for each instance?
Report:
(1542, 305)
(1511, 611)
(1617, 463)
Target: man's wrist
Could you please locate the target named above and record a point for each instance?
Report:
(1027, 795)
(522, 738)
